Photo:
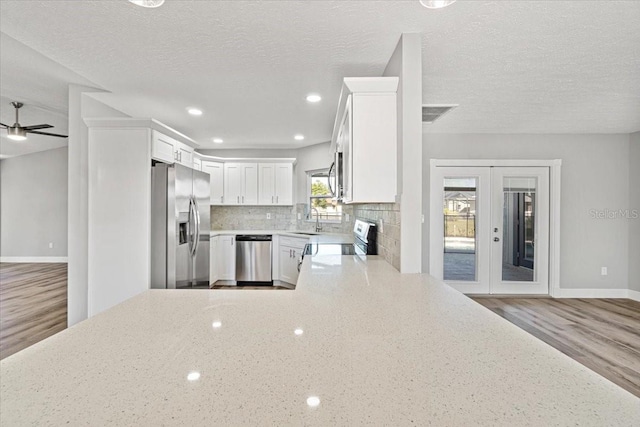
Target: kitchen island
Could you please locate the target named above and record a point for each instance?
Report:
(356, 343)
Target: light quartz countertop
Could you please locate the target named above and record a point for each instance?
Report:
(313, 237)
(373, 346)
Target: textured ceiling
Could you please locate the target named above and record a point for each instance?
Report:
(519, 66)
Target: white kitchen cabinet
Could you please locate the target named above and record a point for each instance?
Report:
(162, 148)
(240, 183)
(216, 180)
(197, 163)
(366, 134)
(275, 181)
(214, 268)
(226, 257)
(289, 251)
(184, 154)
(169, 150)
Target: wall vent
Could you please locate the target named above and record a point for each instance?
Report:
(431, 113)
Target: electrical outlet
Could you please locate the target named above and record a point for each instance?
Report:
(50, 245)
(268, 215)
(346, 217)
(299, 216)
(603, 271)
(381, 226)
(423, 218)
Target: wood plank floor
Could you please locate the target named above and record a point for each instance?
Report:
(601, 334)
(33, 304)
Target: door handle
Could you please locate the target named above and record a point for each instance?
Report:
(496, 239)
(495, 230)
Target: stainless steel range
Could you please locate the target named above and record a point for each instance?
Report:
(365, 243)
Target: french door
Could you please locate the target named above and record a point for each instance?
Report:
(490, 229)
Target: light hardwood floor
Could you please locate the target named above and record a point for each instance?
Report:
(601, 334)
(33, 304)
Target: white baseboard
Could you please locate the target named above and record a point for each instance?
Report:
(18, 259)
(597, 293)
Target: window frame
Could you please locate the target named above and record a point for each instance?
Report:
(309, 213)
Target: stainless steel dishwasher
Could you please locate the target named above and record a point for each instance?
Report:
(253, 259)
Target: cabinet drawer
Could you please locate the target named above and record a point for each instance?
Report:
(293, 242)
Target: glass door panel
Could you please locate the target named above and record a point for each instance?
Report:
(460, 225)
(520, 221)
(459, 216)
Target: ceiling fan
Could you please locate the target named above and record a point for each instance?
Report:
(19, 133)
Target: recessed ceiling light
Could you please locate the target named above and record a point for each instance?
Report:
(314, 97)
(194, 111)
(193, 376)
(216, 324)
(298, 137)
(218, 140)
(298, 331)
(436, 4)
(313, 401)
(148, 3)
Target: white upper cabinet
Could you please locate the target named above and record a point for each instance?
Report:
(162, 148)
(240, 183)
(169, 150)
(197, 163)
(275, 183)
(216, 180)
(184, 154)
(366, 132)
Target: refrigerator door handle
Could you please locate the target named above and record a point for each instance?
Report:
(197, 218)
(192, 228)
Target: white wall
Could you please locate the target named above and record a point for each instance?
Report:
(406, 63)
(309, 158)
(81, 106)
(595, 175)
(33, 205)
(634, 202)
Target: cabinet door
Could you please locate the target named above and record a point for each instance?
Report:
(266, 183)
(162, 148)
(216, 181)
(249, 194)
(185, 154)
(283, 184)
(214, 270)
(346, 145)
(227, 257)
(232, 183)
(288, 265)
(197, 163)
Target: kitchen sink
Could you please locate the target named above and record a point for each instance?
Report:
(306, 233)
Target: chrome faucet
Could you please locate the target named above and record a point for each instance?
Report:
(318, 226)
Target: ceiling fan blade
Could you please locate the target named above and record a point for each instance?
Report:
(46, 133)
(35, 127)
(2, 124)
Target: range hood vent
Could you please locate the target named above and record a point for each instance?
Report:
(431, 113)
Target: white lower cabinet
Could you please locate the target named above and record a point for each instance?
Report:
(226, 257)
(289, 251)
(214, 268)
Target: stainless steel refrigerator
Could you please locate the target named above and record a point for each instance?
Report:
(179, 227)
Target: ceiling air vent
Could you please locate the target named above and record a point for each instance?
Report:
(431, 113)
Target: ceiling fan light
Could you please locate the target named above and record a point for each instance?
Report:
(436, 4)
(16, 134)
(148, 3)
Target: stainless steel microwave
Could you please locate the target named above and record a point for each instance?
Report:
(336, 176)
